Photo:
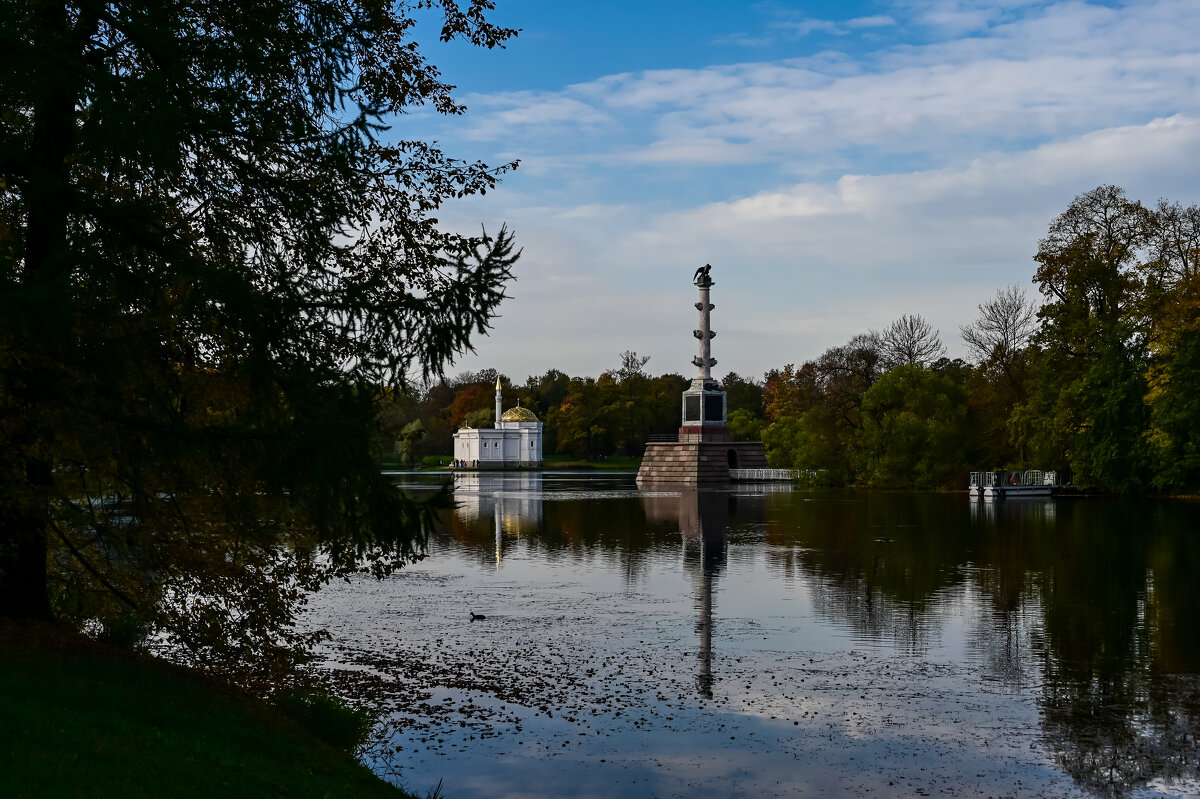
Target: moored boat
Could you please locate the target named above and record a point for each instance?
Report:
(1000, 484)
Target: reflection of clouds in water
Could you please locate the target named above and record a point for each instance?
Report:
(612, 677)
(1004, 641)
(850, 599)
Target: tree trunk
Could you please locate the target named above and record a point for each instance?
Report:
(45, 327)
(23, 571)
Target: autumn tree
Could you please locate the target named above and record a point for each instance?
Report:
(788, 391)
(1086, 408)
(546, 391)
(782, 395)
(998, 341)
(396, 408)
(213, 251)
(815, 411)
(582, 419)
(630, 413)
(914, 430)
(846, 373)
(542, 394)
(1173, 374)
(470, 400)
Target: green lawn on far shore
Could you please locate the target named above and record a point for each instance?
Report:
(612, 463)
(81, 720)
(624, 463)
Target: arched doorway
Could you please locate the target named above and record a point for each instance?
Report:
(731, 456)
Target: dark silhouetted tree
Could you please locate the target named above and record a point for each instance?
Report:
(213, 251)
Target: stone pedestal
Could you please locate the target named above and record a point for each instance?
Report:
(699, 463)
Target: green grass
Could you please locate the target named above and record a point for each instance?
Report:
(623, 463)
(84, 721)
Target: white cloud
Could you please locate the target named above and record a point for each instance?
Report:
(804, 27)
(522, 110)
(959, 17)
(832, 193)
(1066, 70)
(874, 21)
(804, 267)
(793, 27)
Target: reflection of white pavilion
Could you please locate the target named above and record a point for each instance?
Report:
(515, 441)
(513, 502)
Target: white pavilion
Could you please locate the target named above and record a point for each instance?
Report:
(515, 442)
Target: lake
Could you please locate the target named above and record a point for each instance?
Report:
(759, 641)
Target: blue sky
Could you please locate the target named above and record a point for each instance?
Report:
(839, 164)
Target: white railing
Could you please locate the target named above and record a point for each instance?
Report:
(751, 475)
(1000, 479)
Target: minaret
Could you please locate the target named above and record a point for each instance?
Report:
(704, 401)
(499, 404)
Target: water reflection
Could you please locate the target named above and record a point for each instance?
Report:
(989, 512)
(703, 521)
(512, 502)
(1073, 606)
(1121, 652)
(877, 563)
(1064, 635)
(556, 516)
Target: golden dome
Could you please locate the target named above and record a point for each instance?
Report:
(518, 414)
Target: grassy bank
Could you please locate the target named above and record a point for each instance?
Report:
(623, 463)
(81, 720)
(615, 463)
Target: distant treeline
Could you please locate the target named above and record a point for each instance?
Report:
(1100, 380)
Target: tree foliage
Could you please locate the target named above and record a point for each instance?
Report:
(1092, 341)
(1099, 382)
(914, 429)
(910, 340)
(1005, 324)
(213, 251)
(745, 394)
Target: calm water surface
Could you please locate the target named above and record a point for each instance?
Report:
(765, 642)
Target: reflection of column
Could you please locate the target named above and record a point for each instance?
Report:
(704, 626)
(703, 523)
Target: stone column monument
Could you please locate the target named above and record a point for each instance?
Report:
(704, 401)
(703, 453)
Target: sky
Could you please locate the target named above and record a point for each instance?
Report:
(839, 164)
